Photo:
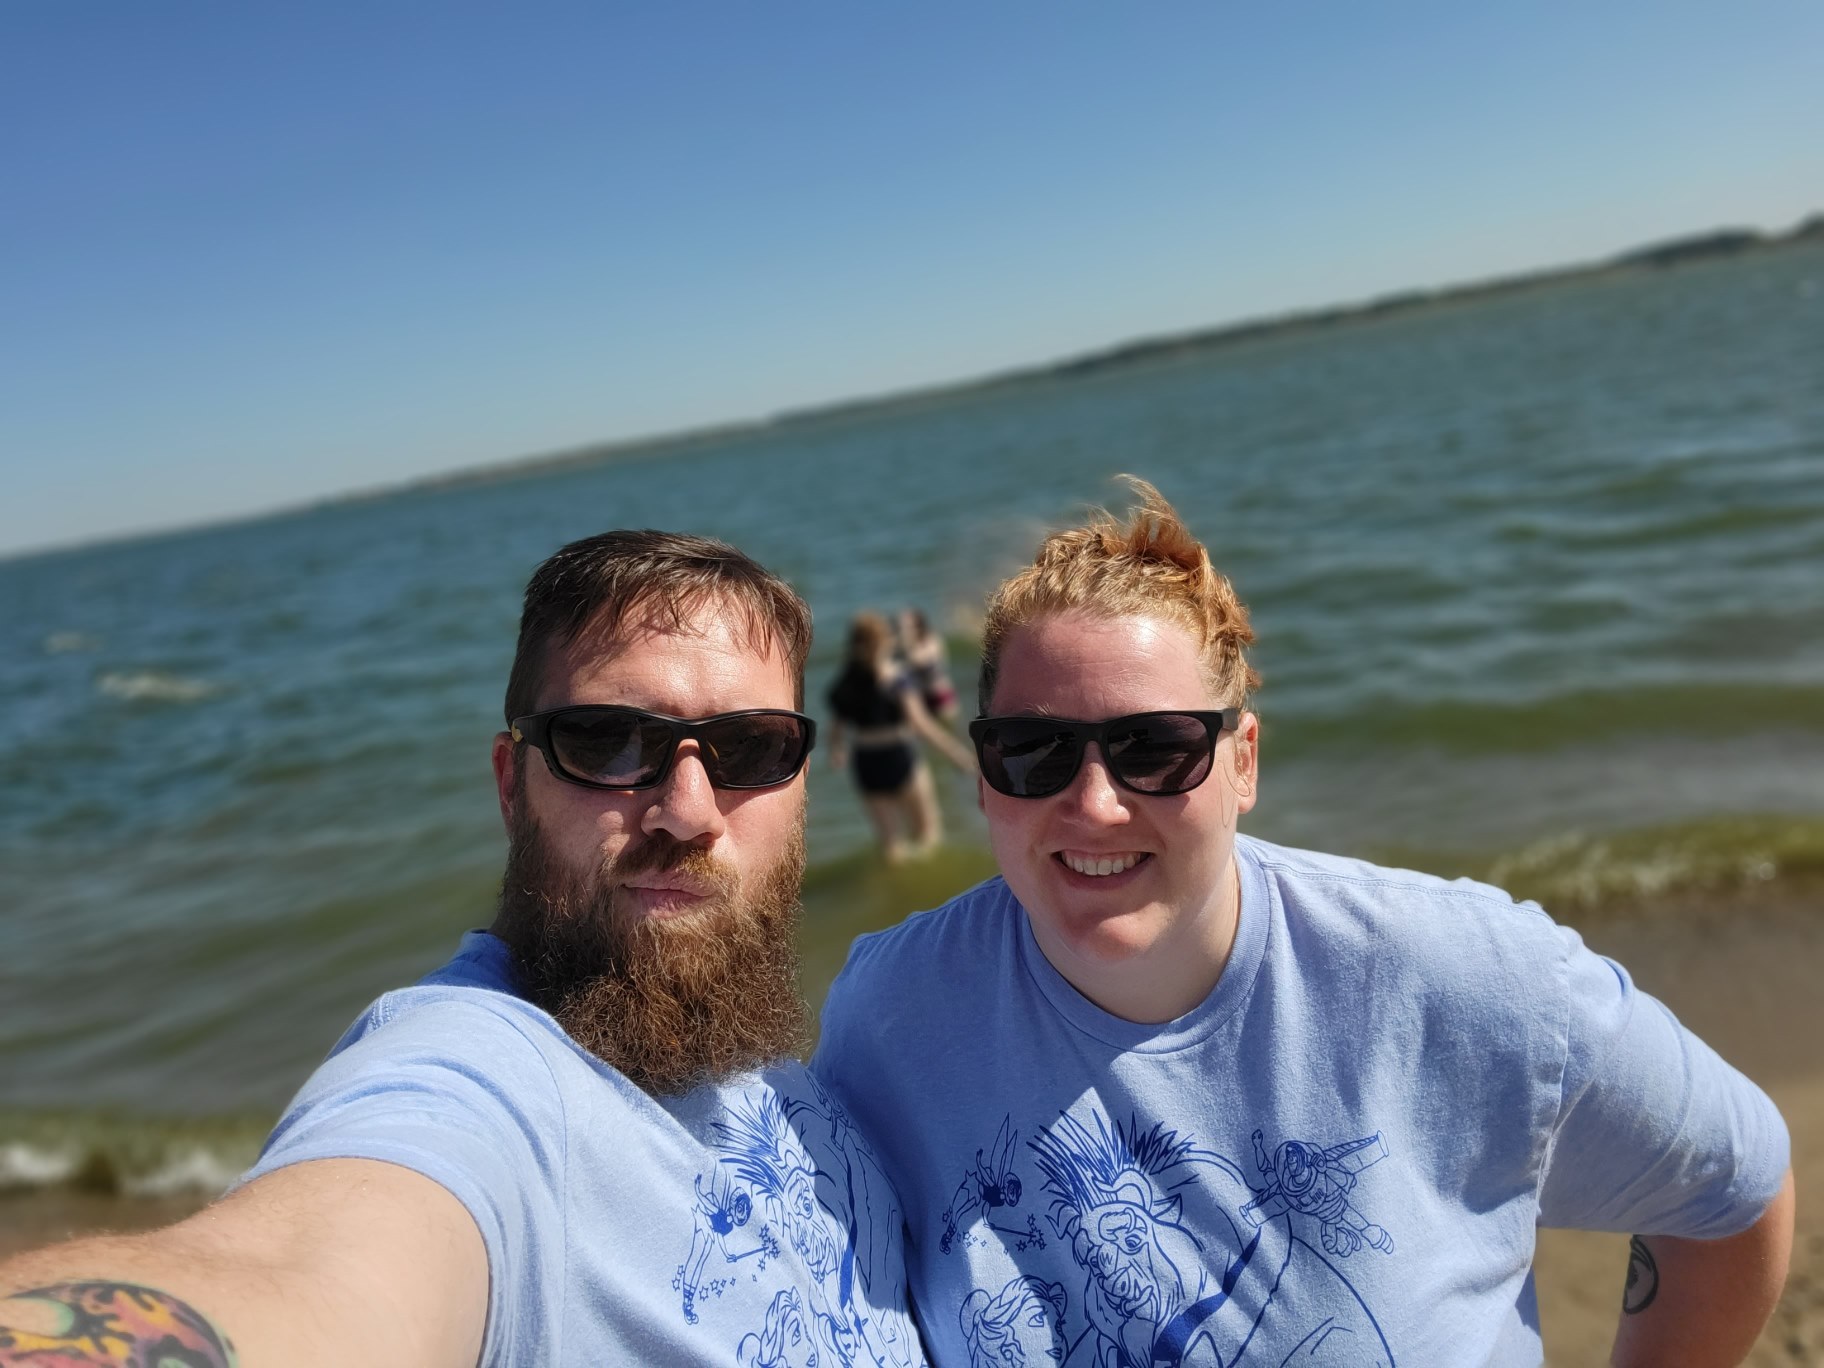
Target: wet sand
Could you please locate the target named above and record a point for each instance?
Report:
(1746, 972)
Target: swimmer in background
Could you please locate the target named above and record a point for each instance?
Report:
(923, 651)
(880, 715)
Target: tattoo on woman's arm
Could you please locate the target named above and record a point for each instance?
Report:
(1643, 1278)
(113, 1323)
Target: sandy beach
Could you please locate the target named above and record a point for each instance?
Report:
(1742, 970)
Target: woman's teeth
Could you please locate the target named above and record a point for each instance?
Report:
(1098, 865)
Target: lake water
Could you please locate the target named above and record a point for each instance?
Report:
(1539, 581)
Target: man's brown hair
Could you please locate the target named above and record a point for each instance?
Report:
(1151, 567)
(603, 585)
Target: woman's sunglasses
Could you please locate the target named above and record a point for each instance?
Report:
(626, 748)
(1155, 753)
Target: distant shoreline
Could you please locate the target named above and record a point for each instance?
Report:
(1668, 254)
(1673, 252)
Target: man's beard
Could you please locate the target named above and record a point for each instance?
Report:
(671, 1002)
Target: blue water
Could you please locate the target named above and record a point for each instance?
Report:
(1529, 571)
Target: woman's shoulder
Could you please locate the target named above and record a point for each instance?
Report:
(929, 940)
(1399, 913)
(855, 678)
(1486, 979)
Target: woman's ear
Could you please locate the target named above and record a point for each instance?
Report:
(1247, 757)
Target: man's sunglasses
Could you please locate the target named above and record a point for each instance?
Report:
(626, 748)
(1154, 753)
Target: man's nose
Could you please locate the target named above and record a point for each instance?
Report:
(684, 805)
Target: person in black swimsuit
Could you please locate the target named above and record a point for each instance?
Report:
(879, 718)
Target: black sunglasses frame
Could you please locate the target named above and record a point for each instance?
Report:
(1215, 723)
(535, 730)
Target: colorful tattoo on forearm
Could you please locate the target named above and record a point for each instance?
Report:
(114, 1323)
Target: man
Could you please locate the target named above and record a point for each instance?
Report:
(1181, 1096)
(583, 1140)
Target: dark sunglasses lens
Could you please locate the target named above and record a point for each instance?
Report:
(1161, 753)
(753, 752)
(614, 749)
(1028, 758)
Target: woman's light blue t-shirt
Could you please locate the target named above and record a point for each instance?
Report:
(1340, 1156)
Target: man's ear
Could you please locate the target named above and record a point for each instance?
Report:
(506, 775)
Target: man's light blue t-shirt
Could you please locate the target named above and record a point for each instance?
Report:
(1339, 1157)
(745, 1222)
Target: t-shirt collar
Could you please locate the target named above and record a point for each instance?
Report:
(1231, 990)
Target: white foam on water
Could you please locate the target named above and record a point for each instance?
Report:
(64, 643)
(151, 686)
(22, 1166)
(196, 1170)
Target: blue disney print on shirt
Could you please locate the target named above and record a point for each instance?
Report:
(793, 1187)
(1230, 1281)
(1115, 1202)
(785, 1341)
(988, 1187)
(1021, 1327)
(1317, 1182)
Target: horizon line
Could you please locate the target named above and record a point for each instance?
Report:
(1657, 255)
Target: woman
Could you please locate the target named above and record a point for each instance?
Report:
(923, 651)
(878, 720)
(1247, 1105)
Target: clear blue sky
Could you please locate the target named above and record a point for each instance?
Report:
(251, 255)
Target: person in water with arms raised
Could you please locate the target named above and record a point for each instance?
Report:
(1167, 1094)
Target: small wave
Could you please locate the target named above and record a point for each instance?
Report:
(125, 1155)
(1462, 726)
(25, 1166)
(152, 686)
(1590, 871)
(196, 1171)
(1727, 522)
(67, 643)
(1587, 870)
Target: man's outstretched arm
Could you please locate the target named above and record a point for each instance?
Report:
(334, 1261)
(1695, 1303)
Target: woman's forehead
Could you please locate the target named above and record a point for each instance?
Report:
(1078, 665)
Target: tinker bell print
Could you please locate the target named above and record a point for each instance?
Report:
(987, 1188)
(721, 1211)
(792, 1184)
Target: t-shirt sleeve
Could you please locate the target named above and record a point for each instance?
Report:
(1656, 1134)
(829, 1058)
(459, 1093)
(845, 1032)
